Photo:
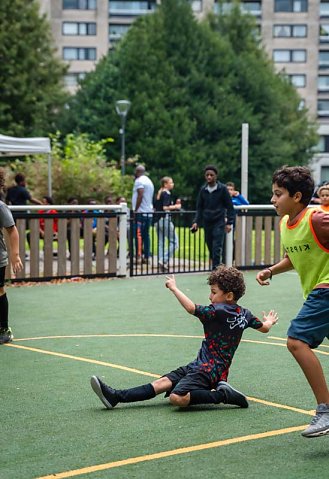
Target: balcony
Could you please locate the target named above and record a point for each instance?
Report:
(133, 8)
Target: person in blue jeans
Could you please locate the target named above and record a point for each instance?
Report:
(215, 212)
(142, 205)
(166, 230)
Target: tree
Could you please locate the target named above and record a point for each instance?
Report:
(280, 131)
(79, 168)
(31, 77)
(191, 88)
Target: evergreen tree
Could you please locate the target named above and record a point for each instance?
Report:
(192, 85)
(30, 75)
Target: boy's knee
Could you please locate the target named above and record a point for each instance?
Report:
(180, 401)
(295, 345)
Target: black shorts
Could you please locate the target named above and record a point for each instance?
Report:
(2, 276)
(186, 379)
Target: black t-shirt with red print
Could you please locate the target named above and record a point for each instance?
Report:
(223, 326)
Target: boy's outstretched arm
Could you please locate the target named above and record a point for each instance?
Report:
(187, 304)
(281, 267)
(268, 321)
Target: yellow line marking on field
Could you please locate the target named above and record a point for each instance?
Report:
(285, 339)
(282, 406)
(85, 360)
(262, 342)
(143, 373)
(315, 350)
(172, 452)
(127, 335)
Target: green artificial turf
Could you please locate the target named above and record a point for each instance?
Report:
(52, 422)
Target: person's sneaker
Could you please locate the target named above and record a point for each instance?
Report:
(163, 267)
(104, 392)
(232, 396)
(6, 335)
(320, 423)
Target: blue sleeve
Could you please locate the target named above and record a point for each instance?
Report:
(242, 200)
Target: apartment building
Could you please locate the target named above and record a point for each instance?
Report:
(295, 34)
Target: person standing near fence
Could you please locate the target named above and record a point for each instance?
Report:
(323, 194)
(305, 238)
(142, 205)
(166, 229)
(215, 212)
(7, 222)
(237, 198)
(19, 194)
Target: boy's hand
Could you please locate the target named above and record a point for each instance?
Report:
(170, 282)
(272, 317)
(16, 263)
(263, 277)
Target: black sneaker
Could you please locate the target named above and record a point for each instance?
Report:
(6, 335)
(104, 392)
(232, 396)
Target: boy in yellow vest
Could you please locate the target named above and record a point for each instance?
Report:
(305, 237)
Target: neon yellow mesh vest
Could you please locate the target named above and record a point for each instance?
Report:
(309, 258)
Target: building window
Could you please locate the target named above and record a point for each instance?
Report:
(117, 31)
(254, 8)
(285, 31)
(79, 28)
(79, 4)
(323, 145)
(324, 173)
(323, 83)
(324, 9)
(324, 59)
(299, 81)
(196, 5)
(289, 56)
(122, 7)
(324, 33)
(71, 53)
(72, 79)
(291, 6)
(323, 107)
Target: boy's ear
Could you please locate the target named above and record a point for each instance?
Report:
(298, 196)
(229, 296)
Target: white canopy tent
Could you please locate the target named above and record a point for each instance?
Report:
(10, 146)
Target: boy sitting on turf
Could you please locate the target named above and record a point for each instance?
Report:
(201, 381)
(305, 237)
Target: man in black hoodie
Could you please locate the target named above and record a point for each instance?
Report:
(215, 212)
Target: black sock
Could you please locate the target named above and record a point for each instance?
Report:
(4, 311)
(204, 396)
(140, 393)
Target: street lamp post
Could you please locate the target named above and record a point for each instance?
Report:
(122, 108)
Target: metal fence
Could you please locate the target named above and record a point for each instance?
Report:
(254, 243)
(116, 247)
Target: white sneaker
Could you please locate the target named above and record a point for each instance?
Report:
(320, 423)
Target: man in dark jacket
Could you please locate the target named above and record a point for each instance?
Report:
(215, 212)
(19, 194)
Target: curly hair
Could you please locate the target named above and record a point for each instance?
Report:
(228, 279)
(294, 179)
